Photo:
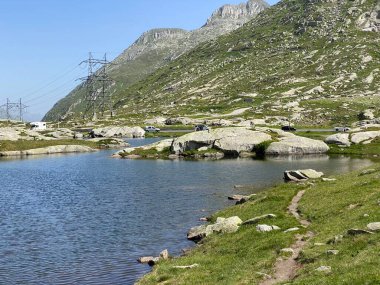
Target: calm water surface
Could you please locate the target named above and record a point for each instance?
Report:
(85, 219)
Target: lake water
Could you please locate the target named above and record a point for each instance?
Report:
(85, 219)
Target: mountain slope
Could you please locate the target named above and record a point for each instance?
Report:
(158, 47)
(316, 61)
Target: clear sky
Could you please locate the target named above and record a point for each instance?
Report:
(43, 41)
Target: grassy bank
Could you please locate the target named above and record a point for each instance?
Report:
(25, 145)
(332, 208)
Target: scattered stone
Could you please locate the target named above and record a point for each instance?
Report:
(164, 254)
(366, 215)
(325, 269)
(354, 232)
(198, 233)
(266, 228)
(186, 266)
(292, 230)
(336, 239)
(332, 252)
(328, 179)
(145, 259)
(203, 219)
(255, 220)
(374, 226)
(367, 171)
(153, 261)
(287, 251)
(245, 199)
(319, 244)
(236, 197)
(264, 275)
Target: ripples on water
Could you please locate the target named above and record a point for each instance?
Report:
(85, 219)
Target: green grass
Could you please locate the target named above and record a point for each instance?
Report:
(25, 145)
(357, 149)
(236, 258)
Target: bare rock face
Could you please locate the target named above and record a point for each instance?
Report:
(339, 139)
(370, 21)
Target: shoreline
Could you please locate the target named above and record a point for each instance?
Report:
(219, 249)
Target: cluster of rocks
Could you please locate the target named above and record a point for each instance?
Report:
(151, 260)
(346, 139)
(237, 141)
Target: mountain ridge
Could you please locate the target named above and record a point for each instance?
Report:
(156, 47)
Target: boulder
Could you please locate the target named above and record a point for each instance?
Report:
(296, 145)
(298, 175)
(374, 226)
(222, 225)
(164, 254)
(339, 139)
(156, 121)
(114, 131)
(230, 140)
(364, 136)
(145, 259)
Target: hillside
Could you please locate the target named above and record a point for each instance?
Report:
(314, 61)
(157, 48)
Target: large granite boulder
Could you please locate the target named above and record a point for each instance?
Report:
(362, 137)
(114, 131)
(234, 140)
(339, 139)
(297, 145)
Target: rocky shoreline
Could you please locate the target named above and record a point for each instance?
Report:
(228, 142)
(57, 149)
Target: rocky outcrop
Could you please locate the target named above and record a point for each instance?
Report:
(159, 146)
(370, 21)
(50, 150)
(114, 131)
(20, 133)
(297, 146)
(229, 140)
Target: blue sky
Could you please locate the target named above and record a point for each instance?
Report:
(43, 41)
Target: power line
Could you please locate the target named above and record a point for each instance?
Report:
(97, 83)
(13, 110)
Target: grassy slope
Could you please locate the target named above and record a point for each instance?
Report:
(235, 258)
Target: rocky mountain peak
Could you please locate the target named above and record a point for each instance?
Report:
(159, 34)
(241, 11)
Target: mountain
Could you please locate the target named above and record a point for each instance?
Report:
(314, 61)
(158, 47)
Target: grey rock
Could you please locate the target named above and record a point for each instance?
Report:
(292, 230)
(339, 139)
(354, 232)
(266, 228)
(164, 254)
(374, 226)
(332, 252)
(297, 146)
(255, 220)
(325, 269)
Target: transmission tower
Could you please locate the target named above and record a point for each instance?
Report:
(13, 110)
(97, 83)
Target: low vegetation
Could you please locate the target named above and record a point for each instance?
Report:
(244, 257)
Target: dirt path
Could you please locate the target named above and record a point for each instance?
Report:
(286, 269)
